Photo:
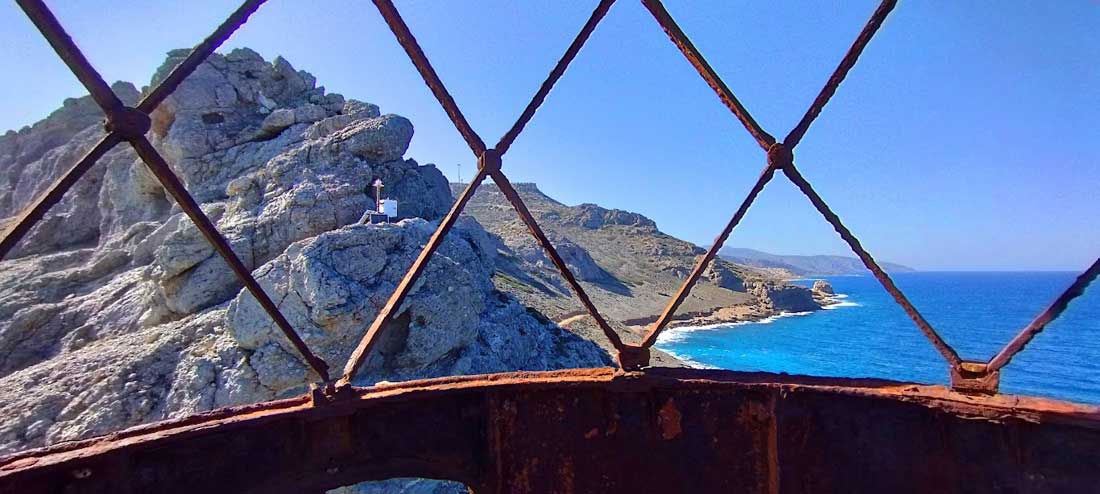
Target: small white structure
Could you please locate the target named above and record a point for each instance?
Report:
(385, 210)
(389, 208)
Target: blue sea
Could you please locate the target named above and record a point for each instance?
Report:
(867, 334)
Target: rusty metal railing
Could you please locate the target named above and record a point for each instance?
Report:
(130, 124)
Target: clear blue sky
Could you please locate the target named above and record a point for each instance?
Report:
(966, 138)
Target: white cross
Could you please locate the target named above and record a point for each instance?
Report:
(377, 194)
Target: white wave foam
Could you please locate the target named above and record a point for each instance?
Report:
(680, 333)
(694, 364)
(839, 301)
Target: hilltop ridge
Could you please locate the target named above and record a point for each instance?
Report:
(624, 262)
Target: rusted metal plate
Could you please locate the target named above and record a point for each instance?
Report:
(596, 430)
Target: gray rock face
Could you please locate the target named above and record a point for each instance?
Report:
(783, 297)
(115, 311)
(32, 158)
(823, 287)
(331, 287)
(721, 273)
(593, 217)
(578, 259)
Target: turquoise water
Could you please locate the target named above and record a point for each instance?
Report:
(868, 335)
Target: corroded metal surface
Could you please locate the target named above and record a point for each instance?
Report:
(598, 430)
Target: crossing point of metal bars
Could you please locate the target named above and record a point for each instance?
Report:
(130, 124)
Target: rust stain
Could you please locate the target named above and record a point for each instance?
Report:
(523, 481)
(753, 412)
(614, 427)
(669, 419)
(567, 475)
(773, 445)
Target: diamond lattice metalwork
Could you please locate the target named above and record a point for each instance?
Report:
(130, 124)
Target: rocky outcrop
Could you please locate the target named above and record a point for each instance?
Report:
(593, 217)
(331, 286)
(824, 294)
(115, 311)
(723, 274)
(32, 158)
(579, 261)
(783, 297)
(628, 267)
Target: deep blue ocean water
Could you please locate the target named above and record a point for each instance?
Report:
(868, 335)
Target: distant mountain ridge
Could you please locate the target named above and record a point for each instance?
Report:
(819, 265)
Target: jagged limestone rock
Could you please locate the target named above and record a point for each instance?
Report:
(593, 217)
(115, 311)
(823, 287)
(330, 287)
(783, 297)
(722, 273)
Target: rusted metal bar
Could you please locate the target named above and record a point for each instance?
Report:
(681, 294)
(551, 79)
(131, 124)
(175, 187)
(975, 378)
(198, 55)
(63, 44)
(799, 181)
(532, 225)
(37, 209)
(488, 164)
(416, 54)
(382, 320)
(849, 60)
(709, 75)
(1051, 313)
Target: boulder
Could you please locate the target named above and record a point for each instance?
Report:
(379, 139)
(823, 287)
(783, 297)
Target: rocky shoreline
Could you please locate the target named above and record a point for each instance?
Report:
(823, 295)
(627, 267)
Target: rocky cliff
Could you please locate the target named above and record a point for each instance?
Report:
(626, 265)
(114, 310)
